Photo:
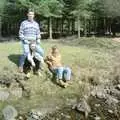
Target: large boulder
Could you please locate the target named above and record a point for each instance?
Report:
(82, 107)
(4, 95)
(9, 113)
(17, 92)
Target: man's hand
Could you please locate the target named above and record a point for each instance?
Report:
(26, 41)
(38, 41)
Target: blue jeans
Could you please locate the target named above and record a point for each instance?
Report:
(26, 50)
(63, 73)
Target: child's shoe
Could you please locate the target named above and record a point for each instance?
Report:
(28, 75)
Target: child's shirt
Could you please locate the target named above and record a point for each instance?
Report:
(54, 60)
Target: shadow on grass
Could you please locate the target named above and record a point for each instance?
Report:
(52, 77)
(14, 58)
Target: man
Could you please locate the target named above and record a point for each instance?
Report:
(29, 31)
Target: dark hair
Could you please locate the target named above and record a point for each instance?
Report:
(30, 10)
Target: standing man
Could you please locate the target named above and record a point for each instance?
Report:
(29, 32)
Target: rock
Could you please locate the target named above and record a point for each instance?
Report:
(4, 95)
(17, 92)
(102, 92)
(14, 85)
(65, 116)
(40, 113)
(70, 101)
(5, 82)
(110, 111)
(111, 101)
(26, 93)
(9, 113)
(82, 107)
(114, 92)
(97, 105)
(118, 87)
(99, 92)
(97, 118)
(101, 95)
(21, 117)
(35, 115)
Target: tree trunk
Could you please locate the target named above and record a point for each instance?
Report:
(110, 26)
(57, 25)
(2, 5)
(78, 21)
(73, 26)
(62, 29)
(0, 26)
(50, 28)
(104, 26)
(89, 27)
(68, 26)
(94, 25)
(85, 27)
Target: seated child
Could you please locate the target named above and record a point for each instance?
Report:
(33, 60)
(53, 60)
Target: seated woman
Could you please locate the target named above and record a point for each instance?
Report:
(33, 60)
(53, 60)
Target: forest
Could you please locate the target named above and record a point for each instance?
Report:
(61, 18)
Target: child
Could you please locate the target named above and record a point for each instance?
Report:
(32, 58)
(53, 61)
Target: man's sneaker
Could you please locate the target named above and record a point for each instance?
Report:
(66, 85)
(42, 68)
(63, 84)
(69, 82)
(20, 69)
(57, 81)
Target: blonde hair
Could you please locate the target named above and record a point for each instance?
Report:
(54, 47)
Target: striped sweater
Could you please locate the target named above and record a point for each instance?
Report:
(29, 31)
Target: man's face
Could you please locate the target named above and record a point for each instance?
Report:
(30, 16)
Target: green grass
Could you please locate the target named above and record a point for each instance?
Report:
(87, 57)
